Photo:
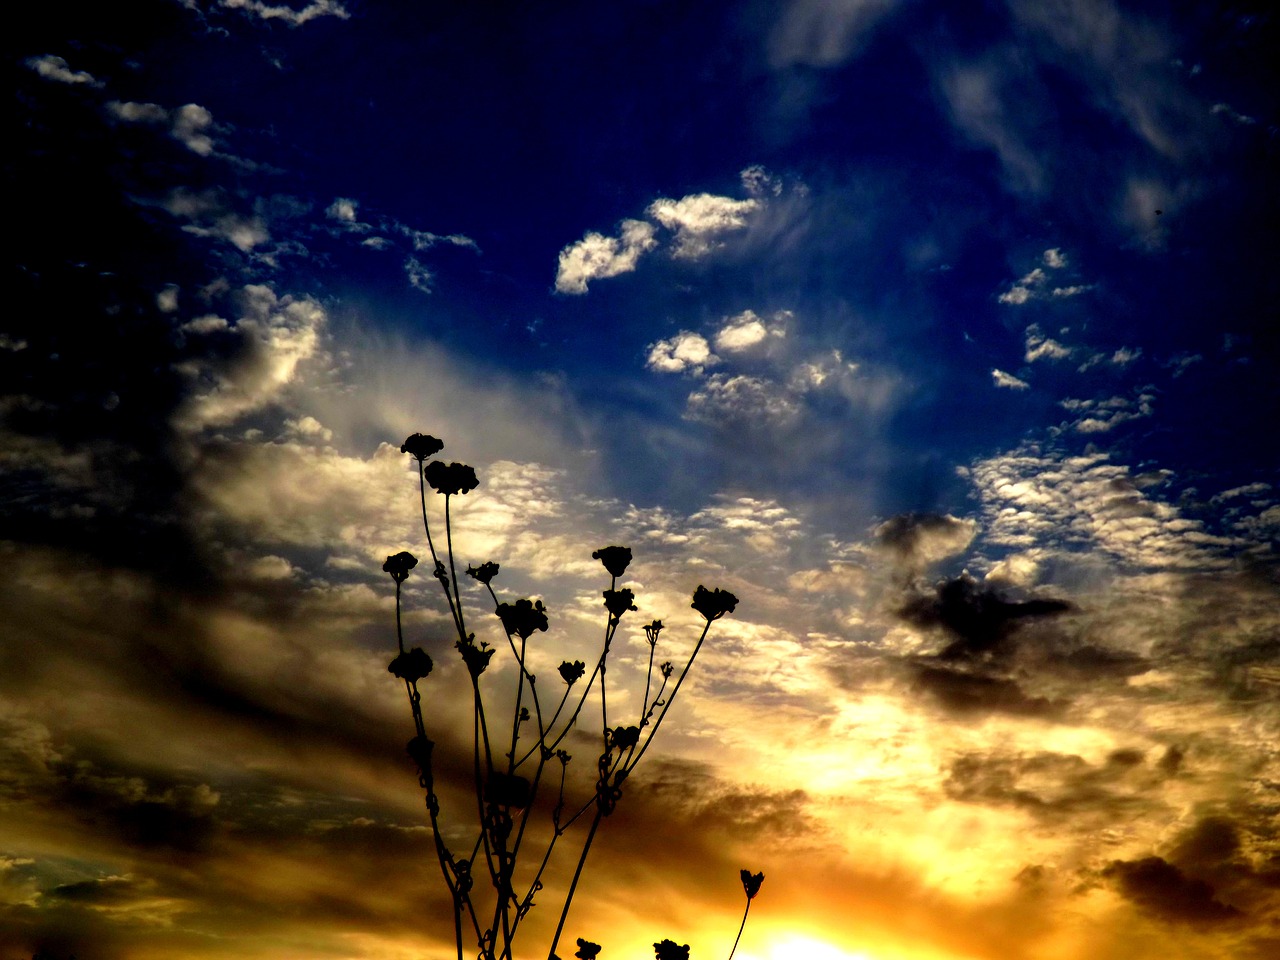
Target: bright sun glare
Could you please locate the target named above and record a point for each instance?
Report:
(806, 948)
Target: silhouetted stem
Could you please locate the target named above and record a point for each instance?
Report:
(671, 699)
(577, 874)
(742, 926)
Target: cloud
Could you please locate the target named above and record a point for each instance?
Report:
(974, 96)
(1102, 416)
(188, 124)
(1040, 347)
(276, 335)
(57, 69)
(596, 256)
(287, 14)
(723, 398)
(1008, 380)
(699, 220)
(746, 331)
(1160, 888)
(823, 33)
(344, 210)
(1032, 497)
(1055, 258)
(978, 619)
(686, 351)
(212, 217)
(919, 540)
(420, 277)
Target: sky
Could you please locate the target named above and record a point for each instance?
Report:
(942, 335)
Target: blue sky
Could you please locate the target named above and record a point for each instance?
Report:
(943, 335)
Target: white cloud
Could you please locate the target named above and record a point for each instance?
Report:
(1072, 291)
(1008, 380)
(1055, 258)
(685, 351)
(55, 68)
(215, 220)
(1040, 347)
(187, 124)
(745, 331)
(974, 96)
(138, 112)
(343, 209)
(1037, 498)
(295, 18)
(1102, 416)
(188, 128)
(278, 334)
(419, 276)
(700, 219)
(596, 256)
(758, 182)
(1125, 356)
(823, 33)
(726, 397)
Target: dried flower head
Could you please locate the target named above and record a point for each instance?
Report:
(571, 672)
(667, 950)
(651, 632)
(587, 950)
(411, 666)
(475, 657)
(624, 737)
(713, 604)
(523, 617)
(615, 559)
(420, 446)
(399, 565)
(751, 883)
(450, 478)
(484, 573)
(667, 669)
(619, 602)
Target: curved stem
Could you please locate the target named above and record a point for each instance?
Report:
(742, 926)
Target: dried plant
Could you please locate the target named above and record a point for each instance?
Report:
(518, 751)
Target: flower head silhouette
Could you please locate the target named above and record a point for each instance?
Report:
(751, 883)
(668, 950)
(411, 666)
(619, 602)
(450, 478)
(615, 559)
(475, 657)
(399, 565)
(420, 446)
(587, 950)
(523, 617)
(713, 604)
(651, 632)
(484, 573)
(570, 672)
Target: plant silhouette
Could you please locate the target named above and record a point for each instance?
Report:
(518, 747)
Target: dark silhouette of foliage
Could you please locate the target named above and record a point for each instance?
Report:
(510, 769)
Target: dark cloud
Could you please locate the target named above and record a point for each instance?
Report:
(916, 540)
(979, 621)
(1160, 888)
(963, 691)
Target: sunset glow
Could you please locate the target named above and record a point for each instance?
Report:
(395, 398)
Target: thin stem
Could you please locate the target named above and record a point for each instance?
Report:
(671, 699)
(741, 927)
(453, 573)
(577, 874)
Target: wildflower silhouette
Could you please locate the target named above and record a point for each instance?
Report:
(510, 758)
